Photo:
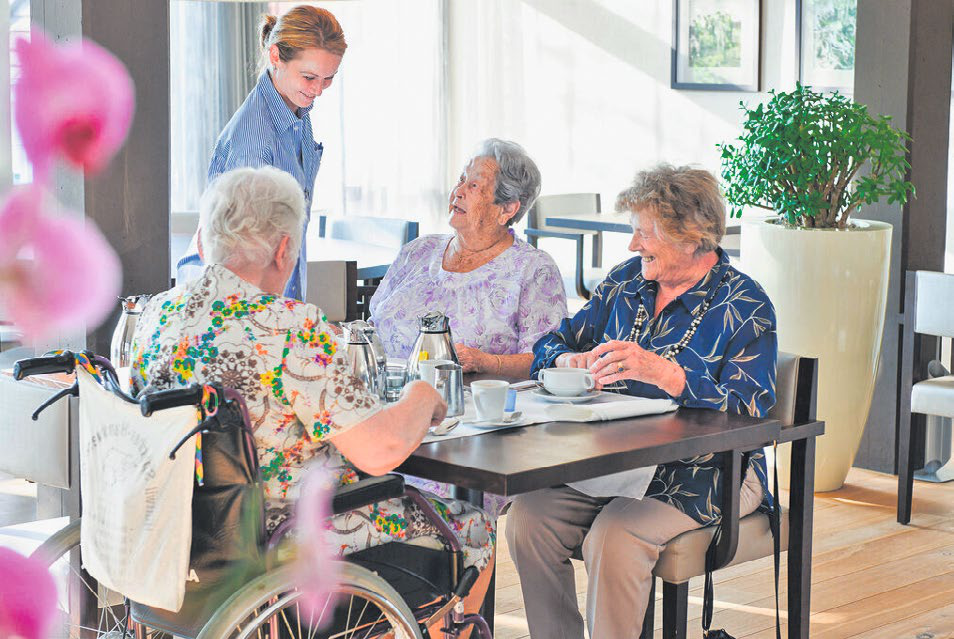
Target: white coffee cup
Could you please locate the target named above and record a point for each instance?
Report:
(428, 366)
(490, 396)
(567, 382)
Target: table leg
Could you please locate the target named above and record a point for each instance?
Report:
(476, 497)
(800, 514)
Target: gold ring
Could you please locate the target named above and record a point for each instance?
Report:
(620, 369)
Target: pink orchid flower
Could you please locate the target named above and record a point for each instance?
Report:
(74, 101)
(54, 271)
(28, 599)
(316, 568)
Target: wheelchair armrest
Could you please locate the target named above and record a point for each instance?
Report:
(367, 491)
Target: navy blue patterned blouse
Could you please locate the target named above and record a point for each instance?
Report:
(729, 363)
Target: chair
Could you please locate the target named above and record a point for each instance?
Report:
(239, 582)
(567, 204)
(382, 231)
(927, 312)
(684, 556)
(333, 287)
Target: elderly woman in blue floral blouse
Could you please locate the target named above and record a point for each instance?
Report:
(676, 321)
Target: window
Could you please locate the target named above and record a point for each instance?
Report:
(19, 28)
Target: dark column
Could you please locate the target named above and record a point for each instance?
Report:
(903, 69)
(130, 199)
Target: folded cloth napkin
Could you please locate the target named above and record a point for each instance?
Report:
(628, 483)
(610, 410)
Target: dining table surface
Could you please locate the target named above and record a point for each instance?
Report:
(372, 260)
(518, 460)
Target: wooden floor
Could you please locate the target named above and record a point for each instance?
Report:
(871, 577)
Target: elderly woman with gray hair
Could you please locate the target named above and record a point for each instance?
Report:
(677, 321)
(500, 293)
(232, 326)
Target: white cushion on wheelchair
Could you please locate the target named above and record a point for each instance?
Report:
(934, 396)
(136, 534)
(685, 556)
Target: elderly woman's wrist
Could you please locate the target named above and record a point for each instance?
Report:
(676, 380)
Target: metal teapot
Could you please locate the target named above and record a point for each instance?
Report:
(120, 348)
(433, 342)
(366, 359)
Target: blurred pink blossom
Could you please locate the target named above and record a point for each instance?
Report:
(54, 271)
(316, 568)
(27, 597)
(74, 101)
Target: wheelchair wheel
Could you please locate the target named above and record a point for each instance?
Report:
(86, 609)
(363, 605)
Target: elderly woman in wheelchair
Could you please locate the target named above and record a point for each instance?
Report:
(231, 328)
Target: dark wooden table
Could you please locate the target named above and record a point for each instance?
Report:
(520, 460)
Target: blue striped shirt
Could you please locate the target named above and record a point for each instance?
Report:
(264, 131)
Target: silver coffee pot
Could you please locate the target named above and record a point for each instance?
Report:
(365, 355)
(120, 348)
(433, 342)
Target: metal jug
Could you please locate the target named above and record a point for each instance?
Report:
(433, 342)
(380, 356)
(120, 348)
(361, 356)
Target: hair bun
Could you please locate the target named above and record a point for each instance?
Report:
(268, 23)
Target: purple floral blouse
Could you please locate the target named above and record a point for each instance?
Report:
(502, 307)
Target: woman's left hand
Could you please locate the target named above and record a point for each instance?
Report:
(618, 360)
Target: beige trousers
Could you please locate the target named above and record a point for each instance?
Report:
(621, 540)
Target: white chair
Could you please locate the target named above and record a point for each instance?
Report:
(928, 311)
(568, 204)
(382, 231)
(332, 287)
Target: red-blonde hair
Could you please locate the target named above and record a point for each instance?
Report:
(303, 27)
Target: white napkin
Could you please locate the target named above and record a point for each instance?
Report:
(611, 410)
(628, 483)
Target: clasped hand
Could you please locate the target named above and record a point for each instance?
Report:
(617, 360)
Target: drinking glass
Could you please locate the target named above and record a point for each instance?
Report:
(395, 377)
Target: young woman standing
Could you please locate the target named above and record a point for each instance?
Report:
(301, 52)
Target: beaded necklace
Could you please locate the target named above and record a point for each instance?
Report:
(671, 351)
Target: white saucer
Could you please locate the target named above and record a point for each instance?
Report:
(517, 422)
(546, 395)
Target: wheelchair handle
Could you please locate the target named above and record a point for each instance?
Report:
(466, 582)
(160, 400)
(62, 363)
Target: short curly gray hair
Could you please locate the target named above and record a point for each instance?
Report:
(685, 203)
(245, 213)
(517, 179)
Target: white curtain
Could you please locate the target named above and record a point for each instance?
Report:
(382, 122)
(214, 50)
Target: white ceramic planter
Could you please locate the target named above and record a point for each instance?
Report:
(829, 288)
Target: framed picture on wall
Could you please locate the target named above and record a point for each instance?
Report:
(716, 45)
(826, 44)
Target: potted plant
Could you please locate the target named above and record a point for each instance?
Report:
(814, 160)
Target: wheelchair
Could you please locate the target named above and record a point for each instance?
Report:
(393, 590)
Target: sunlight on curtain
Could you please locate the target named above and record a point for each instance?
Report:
(214, 50)
(382, 121)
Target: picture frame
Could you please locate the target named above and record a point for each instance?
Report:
(826, 44)
(717, 45)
